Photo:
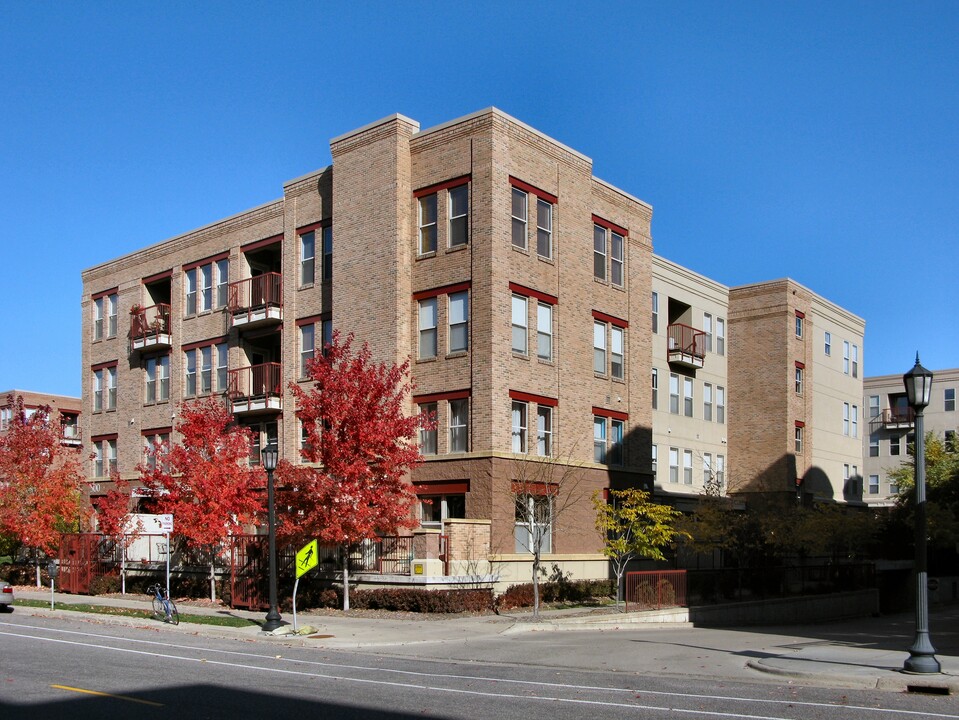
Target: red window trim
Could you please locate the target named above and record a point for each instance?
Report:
(104, 365)
(534, 488)
(530, 397)
(800, 314)
(529, 292)
(104, 293)
(272, 240)
(314, 226)
(614, 414)
(101, 438)
(443, 290)
(206, 261)
(525, 186)
(440, 396)
(157, 431)
(158, 276)
(205, 343)
(445, 185)
(800, 424)
(313, 319)
(611, 319)
(801, 365)
(441, 487)
(609, 225)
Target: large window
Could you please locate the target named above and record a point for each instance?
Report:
(427, 314)
(611, 335)
(104, 457)
(520, 322)
(459, 215)
(534, 519)
(520, 208)
(609, 243)
(157, 379)
(608, 436)
(205, 369)
(200, 283)
(154, 443)
(519, 426)
(105, 308)
(427, 223)
(436, 509)
(459, 322)
(873, 484)
(459, 432)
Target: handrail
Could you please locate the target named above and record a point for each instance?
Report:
(687, 340)
(150, 321)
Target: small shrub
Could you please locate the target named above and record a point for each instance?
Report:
(563, 591)
(420, 600)
(105, 584)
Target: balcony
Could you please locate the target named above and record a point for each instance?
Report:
(70, 435)
(150, 328)
(686, 346)
(895, 419)
(256, 301)
(255, 389)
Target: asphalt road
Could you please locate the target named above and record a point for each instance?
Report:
(63, 668)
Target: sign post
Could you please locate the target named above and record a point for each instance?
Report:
(306, 560)
(166, 526)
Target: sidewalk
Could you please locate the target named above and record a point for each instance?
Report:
(865, 653)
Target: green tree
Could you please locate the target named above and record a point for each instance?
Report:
(942, 491)
(634, 527)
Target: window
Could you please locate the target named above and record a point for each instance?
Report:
(687, 467)
(799, 324)
(673, 465)
(707, 469)
(855, 421)
(459, 414)
(113, 301)
(104, 457)
(206, 370)
(720, 336)
(720, 470)
(707, 401)
(6, 417)
(799, 379)
(328, 252)
(327, 330)
(519, 213)
(674, 393)
(427, 328)
(307, 258)
(688, 397)
(435, 509)
(544, 430)
(616, 429)
(950, 441)
(708, 330)
(544, 331)
(200, 282)
(827, 343)
(307, 347)
(459, 321)
(616, 351)
(98, 311)
(874, 445)
(154, 443)
(534, 512)
(845, 357)
(799, 434)
(873, 406)
(199, 376)
(206, 287)
(599, 252)
(222, 282)
(520, 315)
(855, 361)
(519, 426)
(720, 404)
(599, 439)
(98, 386)
(222, 359)
(893, 487)
(845, 418)
(949, 400)
(157, 379)
(544, 228)
(895, 445)
(655, 388)
(191, 291)
(616, 250)
(111, 377)
(262, 435)
(459, 215)
(105, 309)
(427, 224)
(873, 484)
(190, 389)
(428, 435)
(655, 313)
(599, 348)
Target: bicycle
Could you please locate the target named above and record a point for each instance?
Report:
(163, 607)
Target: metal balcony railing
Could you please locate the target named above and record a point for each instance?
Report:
(257, 299)
(896, 418)
(150, 327)
(256, 388)
(686, 345)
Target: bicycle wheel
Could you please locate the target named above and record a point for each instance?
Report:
(159, 613)
(174, 616)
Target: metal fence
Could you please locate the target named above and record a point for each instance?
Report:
(654, 589)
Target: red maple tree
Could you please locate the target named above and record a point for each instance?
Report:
(41, 480)
(205, 482)
(360, 446)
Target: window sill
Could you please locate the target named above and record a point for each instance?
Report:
(601, 281)
(457, 248)
(622, 381)
(521, 250)
(457, 354)
(426, 360)
(520, 356)
(546, 259)
(545, 361)
(426, 255)
(307, 286)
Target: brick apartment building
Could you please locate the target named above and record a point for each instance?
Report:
(891, 428)
(65, 407)
(520, 286)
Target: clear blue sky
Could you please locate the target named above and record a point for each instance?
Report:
(818, 141)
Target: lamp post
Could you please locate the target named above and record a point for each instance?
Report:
(269, 456)
(922, 659)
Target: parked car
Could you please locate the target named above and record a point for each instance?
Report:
(6, 596)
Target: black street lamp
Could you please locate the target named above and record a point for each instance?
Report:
(922, 659)
(269, 456)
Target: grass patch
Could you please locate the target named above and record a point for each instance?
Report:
(219, 620)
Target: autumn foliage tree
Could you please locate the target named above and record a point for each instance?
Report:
(205, 481)
(40, 480)
(360, 445)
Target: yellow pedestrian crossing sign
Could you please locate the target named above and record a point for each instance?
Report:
(306, 558)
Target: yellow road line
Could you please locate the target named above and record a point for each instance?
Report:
(103, 694)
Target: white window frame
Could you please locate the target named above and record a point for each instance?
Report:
(308, 258)
(99, 318)
(673, 394)
(873, 484)
(599, 347)
(655, 301)
(720, 336)
(655, 388)
(205, 295)
(544, 430)
(688, 396)
(949, 399)
(674, 466)
(708, 402)
(307, 347)
(617, 260)
(222, 282)
(520, 426)
(456, 219)
(458, 433)
(98, 388)
(720, 404)
(855, 360)
(428, 314)
(599, 252)
(617, 436)
(519, 312)
(708, 330)
(427, 226)
(827, 343)
(617, 356)
(544, 331)
(519, 222)
(429, 437)
(799, 380)
(458, 313)
(112, 307)
(845, 357)
(190, 290)
(111, 397)
(799, 326)
(599, 439)
(687, 467)
(544, 228)
(845, 419)
(798, 439)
